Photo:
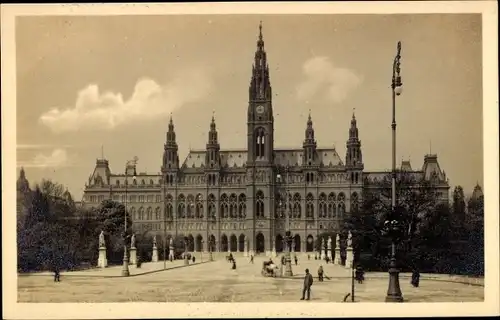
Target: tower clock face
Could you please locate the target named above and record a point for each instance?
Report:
(260, 109)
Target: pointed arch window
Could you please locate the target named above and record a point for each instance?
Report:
(354, 202)
(341, 205)
(199, 207)
(322, 206)
(242, 206)
(211, 207)
(260, 142)
(181, 207)
(224, 206)
(309, 206)
(190, 206)
(233, 206)
(259, 204)
(332, 209)
(296, 206)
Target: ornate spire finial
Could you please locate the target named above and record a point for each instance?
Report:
(260, 30)
(213, 115)
(353, 113)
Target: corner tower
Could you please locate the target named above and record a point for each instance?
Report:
(170, 162)
(354, 158)
(260, 120)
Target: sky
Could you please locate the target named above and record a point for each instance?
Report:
(89, 86)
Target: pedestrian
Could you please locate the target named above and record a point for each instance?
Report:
(194, 259)
(296, 260)
(415, 278)
(234, 264)
(308, 257)
(251, 258)
(359, 274)
(57, 274)
(320, 273)
(308, 281)
(327, 259)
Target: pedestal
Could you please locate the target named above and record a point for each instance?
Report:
(133, 256)
(245, 249)
(338, 258)
(102, 262)
(323, 255)
(171, 253)
(155, 255)
(349, 258)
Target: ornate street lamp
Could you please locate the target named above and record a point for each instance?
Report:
(288, 233)
(394, 291)
(125, 270)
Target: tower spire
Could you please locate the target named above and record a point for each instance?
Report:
(260, 85)
(309, 130)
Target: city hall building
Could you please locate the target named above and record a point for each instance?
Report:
(237, 198)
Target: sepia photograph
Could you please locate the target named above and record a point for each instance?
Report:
(250, 156)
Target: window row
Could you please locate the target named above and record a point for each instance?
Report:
(135, 182)
(145, 214)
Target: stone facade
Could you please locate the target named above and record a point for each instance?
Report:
(227, 195)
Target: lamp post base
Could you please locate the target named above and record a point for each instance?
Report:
(125, 270)
(288, 265)
(394, 292)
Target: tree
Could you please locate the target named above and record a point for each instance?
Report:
(416, 200)
(110, 216)
(475, 234)
(459, 202)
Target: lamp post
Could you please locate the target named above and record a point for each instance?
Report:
(210, 256)
(201, 250)
(186, 260)
(288, 238)
(394, 291)
(125, 270)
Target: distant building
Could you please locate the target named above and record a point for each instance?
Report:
(23, 190)
(227, 196)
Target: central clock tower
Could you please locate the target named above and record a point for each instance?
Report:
(260, 173)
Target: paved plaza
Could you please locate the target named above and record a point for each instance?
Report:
(216, 282)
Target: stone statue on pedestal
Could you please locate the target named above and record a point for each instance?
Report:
(102, 242)
(154, 241)
(329, 243)
(132, 241)
(337, 241)
(349, 239)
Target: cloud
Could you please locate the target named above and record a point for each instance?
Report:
(96, 110)
(323, 79)
(58, 158)
(36, 146)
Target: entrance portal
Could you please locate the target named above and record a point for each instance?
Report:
(260, 243)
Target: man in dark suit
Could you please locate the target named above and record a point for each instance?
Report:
(308, 281)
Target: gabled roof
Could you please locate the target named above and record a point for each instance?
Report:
(237, 158)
